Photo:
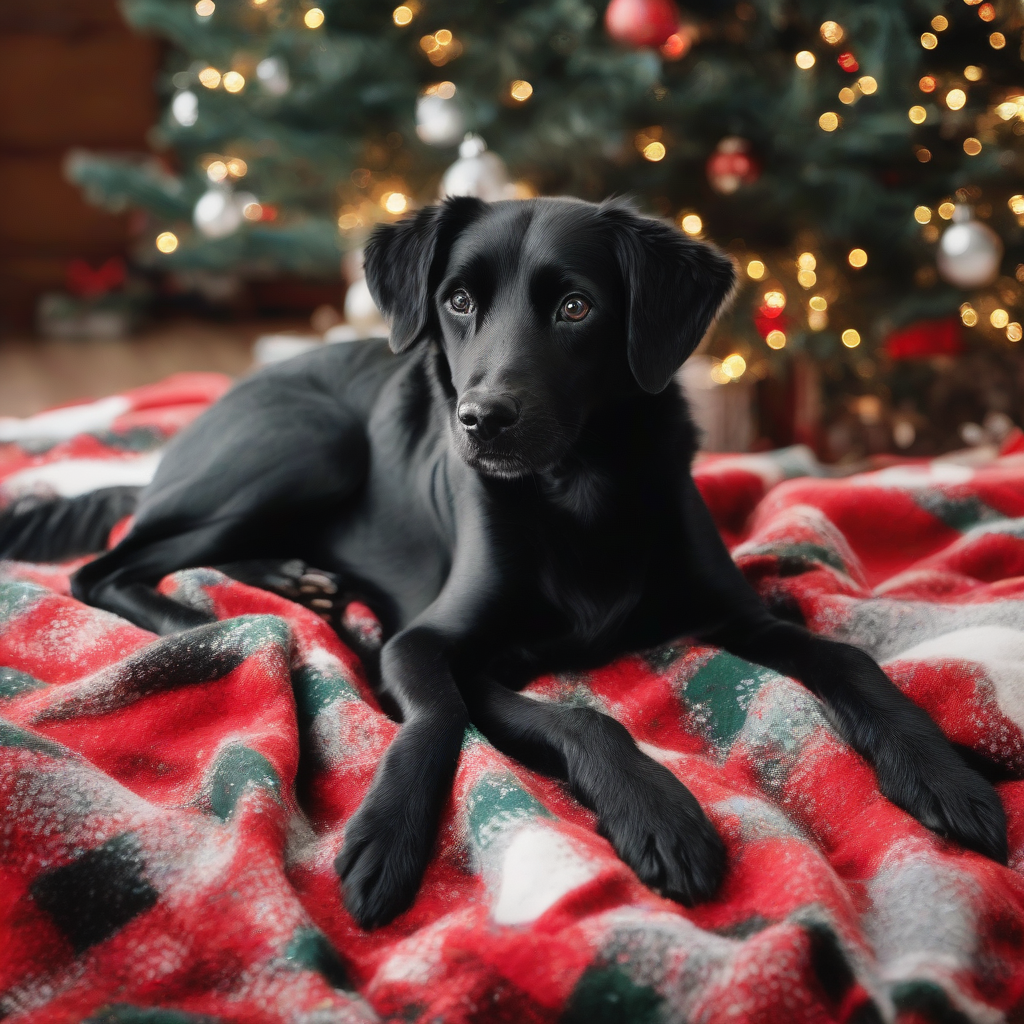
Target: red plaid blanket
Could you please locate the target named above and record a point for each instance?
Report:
(171, 807)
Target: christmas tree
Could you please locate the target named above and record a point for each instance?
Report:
(861, 160)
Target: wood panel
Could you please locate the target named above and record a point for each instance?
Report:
(72, 74)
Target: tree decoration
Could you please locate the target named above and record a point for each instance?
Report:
(731, 165)
(478, 172)
(439, 118)
(969, 252)
(641, 22)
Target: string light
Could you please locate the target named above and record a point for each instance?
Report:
(1016, 204)
(252, 211)
(692, 224)
(817, 320)
(922, 214)
(233, 82)
(734, 366)
(237, 167)
(521, 90)
(217, 170)
(929, 40)
(997, 40)
(818, 303)
(718, 375)
(917, 114)
(999, 318)
(857, 258)
(1013, 331)
(847, 95)
(829, 121)
(806, 264)
(394, 202)
(832, 32)
(868, 85)
(955, 99)
(209, 77)
(775, 300)
(968, 315)
(851, 338)
(806, 261)
(806, 278)
(775, 340)
(923, 155)
(654, 151)
(987, 12)
(972, 147)
(401, 16)
(848, 62)
(940, 23)
(946, 210)
(167, 241)
(755, 270)
(313, 18)
(205, 8)
(973, 73)
(927, 84)
(805, 60)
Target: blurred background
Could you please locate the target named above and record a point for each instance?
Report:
(187, 186)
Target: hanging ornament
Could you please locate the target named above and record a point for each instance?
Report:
(272, 73)
(217, 213)
(969, 252)
(185, 108)
(478, 172)
(732, 165)
(439, 120)
(641, 22)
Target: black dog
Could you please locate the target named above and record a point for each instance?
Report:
(510, 489)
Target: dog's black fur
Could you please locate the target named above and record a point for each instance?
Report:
(510, 489)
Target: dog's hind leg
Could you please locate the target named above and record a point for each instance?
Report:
(651, 819)
(123, 580)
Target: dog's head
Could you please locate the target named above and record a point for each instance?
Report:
(545, 311)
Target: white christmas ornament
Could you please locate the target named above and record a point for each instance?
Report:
(969, 252)
(361, 312)
(273, 75)
(217, 213)
(477, 172)
(439, 121)
(185, 108)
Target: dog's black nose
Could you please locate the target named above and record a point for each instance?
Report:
(486, 416)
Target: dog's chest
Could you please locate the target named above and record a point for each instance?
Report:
(587, 584)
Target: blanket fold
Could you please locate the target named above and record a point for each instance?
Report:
(171, 807)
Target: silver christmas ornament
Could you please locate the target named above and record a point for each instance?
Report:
(217, 213)
(969, 252)
(273, 75)
(185, 108)
(477, 172)
(439, 120)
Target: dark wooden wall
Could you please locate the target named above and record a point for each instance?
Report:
(72, 74)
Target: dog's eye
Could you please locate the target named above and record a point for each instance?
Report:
(460, 301)
(575, 308)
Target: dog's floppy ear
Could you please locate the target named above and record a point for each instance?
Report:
(675, 286)
(400, 259)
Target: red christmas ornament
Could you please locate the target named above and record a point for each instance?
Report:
(926, 338)
(641, 22)
(732, 165)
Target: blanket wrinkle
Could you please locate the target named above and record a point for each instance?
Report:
(172, 806)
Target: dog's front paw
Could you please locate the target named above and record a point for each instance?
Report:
(657, 827)
(381, 862)
(930, 781)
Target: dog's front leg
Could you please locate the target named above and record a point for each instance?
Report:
(389, 839)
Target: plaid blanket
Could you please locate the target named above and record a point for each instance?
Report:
(171, 807)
